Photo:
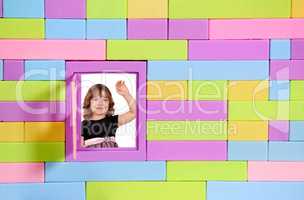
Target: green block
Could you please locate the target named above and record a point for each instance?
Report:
(32, 152)
(229, 9)
(105, 9)
(146, 190)
(296, 90)
(258, 110)
(206, 171)
(147, 49)
(296, 110)
(207, 90)
(21, 28)
(32, 90)
(187, 130)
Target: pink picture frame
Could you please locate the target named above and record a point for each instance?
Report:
(76, 68)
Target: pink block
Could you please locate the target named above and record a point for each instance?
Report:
(13, 70)
(147, 29)
(278, 130)
(32, 111)
(286, 69)
(65, 9)
(21, 172)
(297, 49)
(53, 49)
(256, 29)
(228, 49)
(275, 171)
(191, 110)
(182, 150)
(188, 29)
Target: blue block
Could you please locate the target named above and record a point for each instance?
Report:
(65, 29)
(279, 90)
(105, 171)
(44, 70)
(208, 70)
(247, 150)
(45, 191)
(255, 190)
(1, 69)
(23, 8)
(280, 49)
(286, 151)
(106, 29)
(296, 131)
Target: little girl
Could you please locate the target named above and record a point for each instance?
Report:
(100, 124)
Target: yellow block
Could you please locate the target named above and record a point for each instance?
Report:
(248, 90)
(247, 130)
(297, 9)
(167, 90)
(141, 9)
(44, 131)
(11, 131)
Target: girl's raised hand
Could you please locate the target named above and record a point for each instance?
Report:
(121, 88)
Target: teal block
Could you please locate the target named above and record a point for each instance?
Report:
(286, 151)
(247, 150)
(255, 190)
(45, 191)
(106, 29)
(170, 70)
(279, 90)
(280, 49)
(44, 70)
(65, 29)
(105, 171)
(23, 8)
(296, 130)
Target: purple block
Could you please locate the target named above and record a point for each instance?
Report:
(32, 111)
(228, 50)
(297, 49)
(287, 70)
(188, 29)
(278, 130)
(1, 8)
(187, 110)
(187, 150)
(147, 29)
(13, 70)
(65, 9)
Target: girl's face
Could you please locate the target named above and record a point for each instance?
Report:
(99, 103)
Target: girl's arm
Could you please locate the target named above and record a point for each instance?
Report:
(131, 114)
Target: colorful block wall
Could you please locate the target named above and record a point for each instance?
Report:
(231, 74)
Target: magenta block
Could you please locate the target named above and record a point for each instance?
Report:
(286, 70)
(188, 29)
(65, 9)
(187, 150)
(278, 130)
(297, 49)
(1, 8)
(147, 29)
(32, 111)
(13, 70)
(187, 110)
(228, 50)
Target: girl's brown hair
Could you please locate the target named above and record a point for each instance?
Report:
(87, 112)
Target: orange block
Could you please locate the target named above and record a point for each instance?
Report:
(11, 131)
(297, 9)
(143, 9)
(44, 131)
(248, 90)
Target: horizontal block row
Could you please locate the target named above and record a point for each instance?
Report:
(186, 110)
(21, 172)
(32, 131)
(32, 111)
(146, 190)
(254, 190)
(47, 191)
(105, 171)
(53, 49)
(186, 130)
(32, 90)
(32, 152)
